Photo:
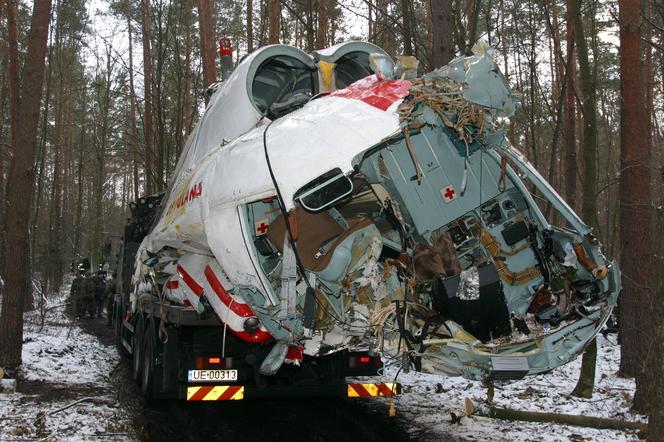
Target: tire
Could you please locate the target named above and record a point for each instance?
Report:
(137, 349)
(118, 316)
(149, 369)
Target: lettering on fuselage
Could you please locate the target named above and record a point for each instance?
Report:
(191, 194)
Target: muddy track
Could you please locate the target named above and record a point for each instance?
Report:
(299, 419)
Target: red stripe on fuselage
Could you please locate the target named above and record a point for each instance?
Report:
(193, 285)
(240, 309)
(379, 94)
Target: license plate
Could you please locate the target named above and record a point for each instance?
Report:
(212, 375)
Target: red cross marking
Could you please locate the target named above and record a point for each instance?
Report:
(449, 193)
(262, 228)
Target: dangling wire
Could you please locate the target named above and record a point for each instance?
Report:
(291, 240)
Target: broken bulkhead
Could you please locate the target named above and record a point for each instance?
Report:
(388, 214)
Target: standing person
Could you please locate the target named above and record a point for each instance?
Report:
(88, 295)
(109, 295)
(99, 292)
(76, 294)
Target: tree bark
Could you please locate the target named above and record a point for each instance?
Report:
(26, 106)
(187, 102)
(147, 82)
(321, 32)
(472, 15)
(565, 419)
(645, 379)
(656, 421)
(589, 107)
(429, 35)
(132, 112)
(406, 22)
(586, 381)
(571, 166)
(207, 43)
(442, 41)
(250, 26)
(635, 198)
(274, 21)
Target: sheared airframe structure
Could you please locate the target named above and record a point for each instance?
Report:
(335, 201)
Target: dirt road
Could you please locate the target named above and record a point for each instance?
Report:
(302, 420)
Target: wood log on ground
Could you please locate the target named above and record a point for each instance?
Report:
(557, 418)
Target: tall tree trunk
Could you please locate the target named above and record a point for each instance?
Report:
(370, 21)
(589, 107)
(207, 43)
(407, 29)
(472, 16)
(148, 83)
(3, 95)
(26, 106)
(132, 111)
(274, 21)
(656, 421)
(322, 25)
(585, 385)
(78, 216)
(645, 379)
(429, 35)
(187, 104)
(442, 40)
(250, 26)
(571, 166)
(634, 188)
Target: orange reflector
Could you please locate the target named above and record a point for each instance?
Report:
(214, 360)
(387, 389)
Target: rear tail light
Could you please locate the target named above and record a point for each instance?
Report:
(364, 361)
(212, 362)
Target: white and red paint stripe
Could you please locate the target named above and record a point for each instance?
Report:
(376, 93)
(230, 309)
(192, 289)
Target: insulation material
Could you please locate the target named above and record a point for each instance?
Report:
(400, 142)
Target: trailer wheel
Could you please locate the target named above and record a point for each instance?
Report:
(137, 349)
(149, 351)
(118, 316)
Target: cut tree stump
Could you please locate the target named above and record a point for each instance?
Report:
(7, 386)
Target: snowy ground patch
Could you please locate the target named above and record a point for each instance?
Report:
(62, 364)
(429, 400)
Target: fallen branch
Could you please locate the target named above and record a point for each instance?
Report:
(85, 399)
(557, 418)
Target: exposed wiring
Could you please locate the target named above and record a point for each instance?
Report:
(291, 240)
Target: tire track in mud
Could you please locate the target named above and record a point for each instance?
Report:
(300, 419)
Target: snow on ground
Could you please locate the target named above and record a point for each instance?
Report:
(428, 401)
(61, 365)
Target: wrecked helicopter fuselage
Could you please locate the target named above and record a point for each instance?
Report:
(316, 213)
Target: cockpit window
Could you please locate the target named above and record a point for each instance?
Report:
(352, 67)
(281, 85)
(325, 190)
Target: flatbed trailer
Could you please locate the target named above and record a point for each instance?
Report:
(176, 354)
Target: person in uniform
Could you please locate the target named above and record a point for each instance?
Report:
(109, 295)
(99, 293)
(88, 295)
(76, 294)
